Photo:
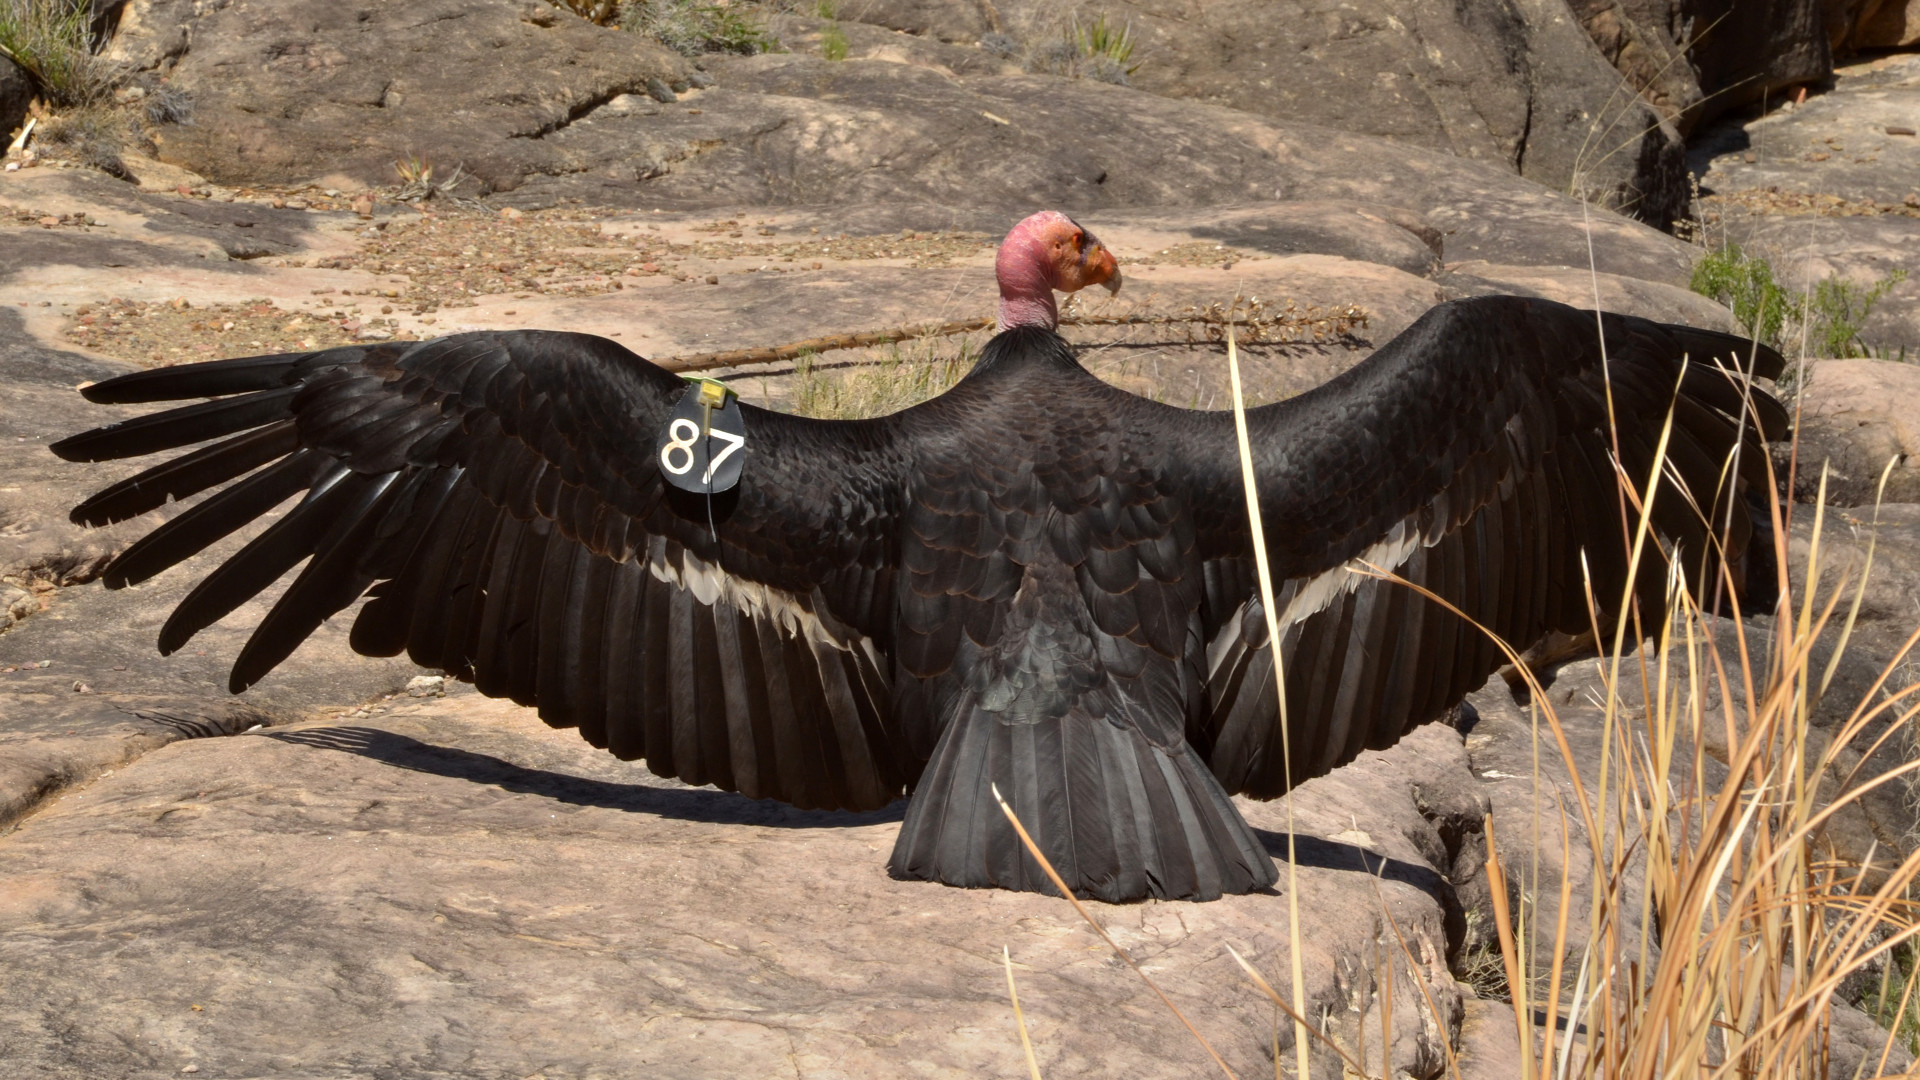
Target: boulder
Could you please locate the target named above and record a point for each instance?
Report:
(1698, 59)
(1823, 190)
(1872, 24)
(16, 95)
(1857, 416)
(281, 86)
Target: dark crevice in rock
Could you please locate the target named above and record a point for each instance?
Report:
(581, 109)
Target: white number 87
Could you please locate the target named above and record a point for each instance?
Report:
(680, 436)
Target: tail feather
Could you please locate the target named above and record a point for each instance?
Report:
(1118, 817)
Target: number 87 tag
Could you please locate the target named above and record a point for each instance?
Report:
(699, 450)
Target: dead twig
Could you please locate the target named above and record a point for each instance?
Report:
(1255, 321)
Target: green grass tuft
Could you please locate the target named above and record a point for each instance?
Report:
(833, 42)
(1840, 309)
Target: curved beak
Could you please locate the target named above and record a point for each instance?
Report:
(1112, 284)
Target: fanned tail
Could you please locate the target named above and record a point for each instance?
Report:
(1118, 817)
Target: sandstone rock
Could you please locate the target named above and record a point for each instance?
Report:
(297, 88)
(1489, 1042)
(1517, 84)
(1826, 192)
(1847, 123)
(1627, 295)
(154, 175)
(454, 889)
(1698, 59)
(1872, 24)
(1857, 416)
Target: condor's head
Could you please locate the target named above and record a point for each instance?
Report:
(1048, 251)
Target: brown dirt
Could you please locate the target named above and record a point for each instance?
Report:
(1767, 201)
(177, 331)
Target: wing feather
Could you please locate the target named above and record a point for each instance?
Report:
(496, 499)
(1474, 457)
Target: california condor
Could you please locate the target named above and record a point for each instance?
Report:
(1034, 580)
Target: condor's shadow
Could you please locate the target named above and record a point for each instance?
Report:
(684, 804)
(1321, 854)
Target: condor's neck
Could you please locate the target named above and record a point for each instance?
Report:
(1026, 293)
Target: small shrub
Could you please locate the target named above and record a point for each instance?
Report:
(1744, 283)
(168, 104)
(1057, 57)
(693, 27)
(1833, 313)
(833, 43)
(1838, 309)
(995, 43)
(93, 135)
(53, 41)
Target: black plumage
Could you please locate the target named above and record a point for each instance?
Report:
(1034, 581)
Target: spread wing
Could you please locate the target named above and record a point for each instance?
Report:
(1471, 455)
(497, 495)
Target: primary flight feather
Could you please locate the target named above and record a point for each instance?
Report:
(1035, 581)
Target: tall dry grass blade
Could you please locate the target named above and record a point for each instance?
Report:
(1860, 594)
(1054, 876)
(1280, 1002)
(1509, 954)
(1258, 531)
(1019, 1018)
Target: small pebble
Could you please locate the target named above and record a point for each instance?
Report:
(713, 279)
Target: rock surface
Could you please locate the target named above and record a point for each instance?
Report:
(1823, 189)
(1873, 24)
(1859, 417)
(1698, 59)
(1518, 84)
(280, 87)
(453, 890)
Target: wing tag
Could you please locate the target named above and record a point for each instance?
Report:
(699, 451)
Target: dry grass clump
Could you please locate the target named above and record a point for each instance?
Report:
(52, 40)
(694, 27)
(901, 377)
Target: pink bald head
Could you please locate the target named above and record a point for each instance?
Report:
(1045, 252)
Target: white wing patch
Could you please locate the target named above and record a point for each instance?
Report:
(712, 585)
(1317, 593)
(1302, 598)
